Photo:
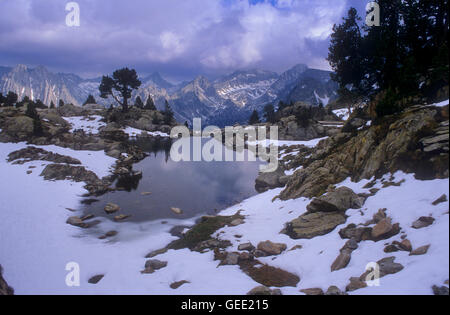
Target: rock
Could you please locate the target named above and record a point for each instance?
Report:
(247, 246)
(96, 279)
(341, 199)
(111, 208)
(333, 290)
(121, 217)
(146, 193)
(156, 253)
(440, 290)
(391, 249)
(245, 256)
(310, 225)
(266, 181)
(176, 211)
(355, 284)
(108, 234)
(405, 245)
(379, 216)
(5, 289)
(271, 249)
(212, 244)
(29, 154)
(76, 221)
(384, 229)
(237, 222)
(350, 245)
(155, 264)
(420, 251)
(389, 267)
(263, 290)
(113, 132)
(357, 233)
(230, 260)
(423, 222)
(270, 276)
(178, 284)
(313, 291)
(441, 199)
(341, 261)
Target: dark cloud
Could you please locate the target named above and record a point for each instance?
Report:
(177, 38)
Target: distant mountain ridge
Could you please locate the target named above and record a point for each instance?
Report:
(223, 101)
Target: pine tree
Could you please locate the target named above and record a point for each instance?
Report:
(2, 99)
(138, 103)
(90, 100)
(168, 113)
(150, 105)
(60, 103)
(11, 99)
(186, 124)
(254, 118)
(40, 105)
(52, 105)
(269, 113)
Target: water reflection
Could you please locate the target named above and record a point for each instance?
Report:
(194, 187)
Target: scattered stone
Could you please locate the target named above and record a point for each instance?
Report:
(389, 267)
(440, 290)
(441, 199)
(379, 216)
(145, 193)
(178, 284)
(263, 290)
(355, 284)
(29, 172)
(341, 199)
(333, 290)
(245, 256)
(156, 253)
(109, 234)
(296, 247)
(313, 291)
(423, 222)
(382, 228)
(391, 249)
(96, 279)
(271, 249)
(155, 264)
(87, 217)
(341, 261)
(311, 225)
(176, 211)
(247, 246)
(121, 217)
(406, 245)
(230, 260)
(111, 208)
(237, 222)
(76, 221)
(269, 276)
(420, 251)
(357, 233)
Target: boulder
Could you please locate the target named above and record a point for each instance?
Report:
(333, 290)
(310, 225)
(355, 284)
(441, 199)
(340, 199)
(341, 261)
(177, 284)
(266, 181)
(263, 290)
(271, 249)
(313, 291)
(443, 291)
(423, 222)
(389, 267)
(5, 289)
(111, 208)
(230, 260)
(247, 247)
(420, 251)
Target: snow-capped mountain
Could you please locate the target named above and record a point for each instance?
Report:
(223, 101)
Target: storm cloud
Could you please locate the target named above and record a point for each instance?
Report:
(178, 38)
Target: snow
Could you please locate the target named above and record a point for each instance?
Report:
(36, 244)
(133, 132)
(282, 143)
(342, 113)
(89, 125)
(441, 104)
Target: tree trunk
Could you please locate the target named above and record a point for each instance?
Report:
(125, 105)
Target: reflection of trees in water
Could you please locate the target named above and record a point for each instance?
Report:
(128, 182)
(155, 145)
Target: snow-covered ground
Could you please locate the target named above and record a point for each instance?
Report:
(133, 132)
(36, 244)
(89, 125)
(342, 113)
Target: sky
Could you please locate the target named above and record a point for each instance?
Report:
(178, 38)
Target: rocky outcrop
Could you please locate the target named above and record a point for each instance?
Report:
(390, 145)
(266, 181)
(29, 154)
(340, 199)
(5, 289)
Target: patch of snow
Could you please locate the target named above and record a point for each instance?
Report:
(89, 125)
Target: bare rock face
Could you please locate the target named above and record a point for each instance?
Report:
(4, 288)
(390, 146)
(341, 199)
(266, 181)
